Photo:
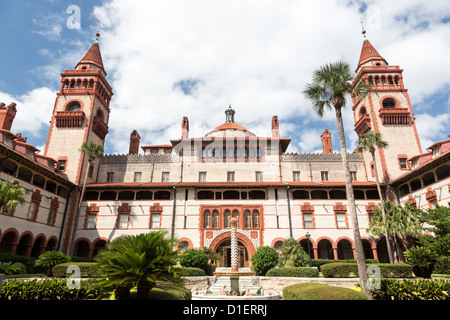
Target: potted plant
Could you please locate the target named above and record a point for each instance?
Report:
(422, 259)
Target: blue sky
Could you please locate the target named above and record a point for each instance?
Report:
(169, 59)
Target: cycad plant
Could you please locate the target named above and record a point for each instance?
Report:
(49, 259)
(12, 267)
(292, 254)
(137, 260)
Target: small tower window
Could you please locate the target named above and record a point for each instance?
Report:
(388, 103)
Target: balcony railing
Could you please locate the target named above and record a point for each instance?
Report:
(99, 127)
(363, 125)
(395, 116)
(69, 119)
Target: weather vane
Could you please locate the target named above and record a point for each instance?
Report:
(363, 31)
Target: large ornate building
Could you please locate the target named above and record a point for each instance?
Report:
(193, 185)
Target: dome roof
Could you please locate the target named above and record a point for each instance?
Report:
(229, 130)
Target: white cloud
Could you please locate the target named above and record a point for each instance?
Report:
(34, 110)
(255, 55)
(432, 128)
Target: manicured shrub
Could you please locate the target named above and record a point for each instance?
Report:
(49, 289)
(12, 268)
(169, 292)
(194, 258)
(210, 268)
(49, 259)
(319, 262)
(264, 259)
(422, 260)
(415, 289)
(315, 291)
(293, 272)
(191, 272)
(339, 270)
(350, 270)
(442, 265)
(87, 269)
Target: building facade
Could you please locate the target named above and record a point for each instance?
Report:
(193, 186)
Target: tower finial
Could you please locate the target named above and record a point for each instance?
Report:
(363, 31)
(97, 35)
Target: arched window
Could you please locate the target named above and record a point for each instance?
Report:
(226, 219)
(207, 219)
(236, 216)
(255, 219)
(389, 103)
(74, 106)
(362, 111)
(215, 219)
(247, 219)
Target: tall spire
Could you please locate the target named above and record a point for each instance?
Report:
(369, 53)
(93, 55)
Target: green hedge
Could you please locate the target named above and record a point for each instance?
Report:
(169, 292)
(442, 265)
(293, 272)
(350, 270)
(315, 291)
(319, 262)
(87, 269)
(49, 289)
(191, 272)
(415, 289)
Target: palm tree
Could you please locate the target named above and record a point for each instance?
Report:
(330, 87)
(93, 151)
(139, 260)
(11, 195)
(402, 224)
(369, 141)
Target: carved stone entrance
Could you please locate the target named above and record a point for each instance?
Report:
(224, 250)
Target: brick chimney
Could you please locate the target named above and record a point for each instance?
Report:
(7, 114)
(326, 141)
(135, 140)
(275, 127)
(185, 128)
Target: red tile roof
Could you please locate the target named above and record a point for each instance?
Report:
(368, 52)
(93, 56)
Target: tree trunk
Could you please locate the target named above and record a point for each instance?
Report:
(360, 259)
(383, 210)
(143, 289)
(78, 209)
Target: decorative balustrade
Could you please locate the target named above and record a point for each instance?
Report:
(395, 116)
(99, 127)
(69, 119)
(363, 125)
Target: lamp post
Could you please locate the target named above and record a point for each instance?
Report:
(309, 255)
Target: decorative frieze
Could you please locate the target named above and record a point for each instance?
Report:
(321, 156)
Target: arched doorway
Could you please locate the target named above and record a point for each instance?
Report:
(224, 251)
(345, 250)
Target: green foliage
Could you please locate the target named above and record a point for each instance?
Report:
(92, 149)
(315, 291)
(210, 268)
(54, 289)
(137, 260)
(49, 259)
(87, 269)
(442, 265)
(12, 268)
(293, 272)
(350, 270)
(163, 292)
(10, 195)
(419, 289)
(438, 223)
(213, 256)
(194, 258)
(292, 254)
(319, 262)
(192, 272)
(422, 259)
(264, 259)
